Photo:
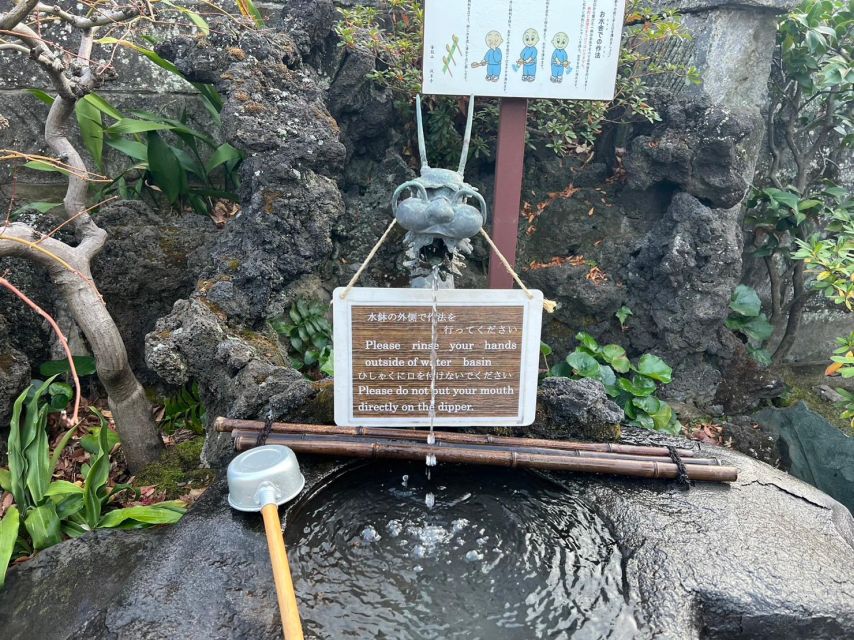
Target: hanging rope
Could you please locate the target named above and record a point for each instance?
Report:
(548, 305)
(367, 261)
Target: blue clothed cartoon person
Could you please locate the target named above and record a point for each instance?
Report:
(560, 59)
(492, 59)
(528, 57)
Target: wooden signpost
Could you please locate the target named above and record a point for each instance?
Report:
(486, 357)
(515, 50)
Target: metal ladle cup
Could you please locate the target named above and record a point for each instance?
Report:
(260, 480)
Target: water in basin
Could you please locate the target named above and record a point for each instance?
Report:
(500, 555)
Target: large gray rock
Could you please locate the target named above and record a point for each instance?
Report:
(812, 449)
(150, 260)
(576, 408)
(679, 283)
(765, 557)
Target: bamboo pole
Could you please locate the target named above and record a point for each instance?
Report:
(230, 424)
(285, 594)
(288, 439)
(500, 458)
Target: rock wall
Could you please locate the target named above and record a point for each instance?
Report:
(275, 111)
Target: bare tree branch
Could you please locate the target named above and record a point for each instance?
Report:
(11, 19)
(82, 22)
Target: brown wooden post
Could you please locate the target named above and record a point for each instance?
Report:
(509, 165)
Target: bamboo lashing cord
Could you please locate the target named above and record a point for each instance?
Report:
(549, 306)
(285, 594)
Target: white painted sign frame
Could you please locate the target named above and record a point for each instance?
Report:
(579, 64)
(446, 298)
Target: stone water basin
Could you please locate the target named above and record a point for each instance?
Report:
(574, 556)
(497, 554)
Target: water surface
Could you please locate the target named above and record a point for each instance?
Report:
(501, 555)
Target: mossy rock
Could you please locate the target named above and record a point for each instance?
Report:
(177, 471)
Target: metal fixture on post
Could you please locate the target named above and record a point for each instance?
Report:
(440, 214)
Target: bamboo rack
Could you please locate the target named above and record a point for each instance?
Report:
(230, 424)
(401, 444)
(291, 438)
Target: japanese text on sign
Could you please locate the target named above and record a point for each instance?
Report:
(485, 362)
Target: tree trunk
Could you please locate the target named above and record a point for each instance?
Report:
(69, 270)
(796, 312)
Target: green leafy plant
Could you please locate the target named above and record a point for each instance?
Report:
(184, 410)
(829, 256)
(309, 334)
(170, 159)
(623, 314)
(45, 510)
(394, 35)
(632, 386)
(84, 365)
(748, 320)
(810, 131)
(843, 363)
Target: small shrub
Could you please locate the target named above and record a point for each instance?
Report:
(748, 320)
(309, 334)
(632, 386)
(183, 410)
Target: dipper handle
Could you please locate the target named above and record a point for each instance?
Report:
(282, 573)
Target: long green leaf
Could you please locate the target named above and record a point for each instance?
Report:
(133, 517)
(91, 130)
(63, 488)
(9, 526)
(94, 487)
(130, 125)
(41, 207)
(44, 526)
(40, 165)
(192, 15)
(5, 480)
(68, 506)
(130, 148)
(166, 171)
(103, 106)
(225, 153)
(42, 96)
(17, 461)
(148, 53)
(38, 458)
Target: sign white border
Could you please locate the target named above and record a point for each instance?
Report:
(530, 343)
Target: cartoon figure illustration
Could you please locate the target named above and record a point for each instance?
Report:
(492, 59)
(560, 59)
(528, 57)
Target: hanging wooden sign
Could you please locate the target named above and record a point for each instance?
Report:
(485, 356)
(522, 48)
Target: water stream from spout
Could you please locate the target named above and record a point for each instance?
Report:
(434, 356)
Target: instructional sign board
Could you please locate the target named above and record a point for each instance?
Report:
(486, 359)
(564, 49)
